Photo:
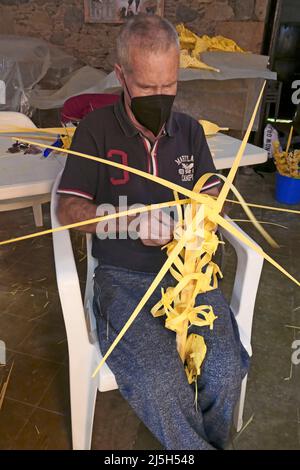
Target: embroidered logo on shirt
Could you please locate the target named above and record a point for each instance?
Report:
(186, 167)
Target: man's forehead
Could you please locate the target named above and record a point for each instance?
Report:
(151, 63)
(139, 56)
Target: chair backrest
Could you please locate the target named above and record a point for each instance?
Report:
(77, 107)
(9, 118)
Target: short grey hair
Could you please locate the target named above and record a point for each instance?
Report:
(150, 33)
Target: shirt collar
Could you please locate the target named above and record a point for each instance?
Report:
(128, 127)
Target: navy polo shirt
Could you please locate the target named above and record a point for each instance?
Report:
(180, 155)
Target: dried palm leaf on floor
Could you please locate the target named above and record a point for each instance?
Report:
(4, 387)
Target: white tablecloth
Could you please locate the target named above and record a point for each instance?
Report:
(26, 175)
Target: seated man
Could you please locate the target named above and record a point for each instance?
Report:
(141, 131)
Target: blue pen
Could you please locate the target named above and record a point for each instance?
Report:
(58, 143)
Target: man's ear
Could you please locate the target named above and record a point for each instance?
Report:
(119, 74)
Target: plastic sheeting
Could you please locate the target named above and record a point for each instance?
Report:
(89, 80)
(226, 98)
(232, 65)
(78, 82)
(25, 61)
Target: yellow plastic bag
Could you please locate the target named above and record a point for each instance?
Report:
(192, 47)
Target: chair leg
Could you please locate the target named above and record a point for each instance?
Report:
(239, 409)
(38, 215)
(83, 391)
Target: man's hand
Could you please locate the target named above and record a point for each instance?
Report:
(156, 228)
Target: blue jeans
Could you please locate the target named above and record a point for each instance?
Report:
(148, 369)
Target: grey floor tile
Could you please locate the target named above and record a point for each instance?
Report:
(13, 417)
(30, 377)
(45, 431)
(47, 341)
(57, 395)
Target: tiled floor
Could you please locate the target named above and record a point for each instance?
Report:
(35, 413)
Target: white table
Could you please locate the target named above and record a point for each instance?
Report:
(224, 148)
(26, 180)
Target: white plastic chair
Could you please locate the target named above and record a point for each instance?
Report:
(9, 118)
(84, 352)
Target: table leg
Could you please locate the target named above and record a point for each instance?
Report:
(38, 214)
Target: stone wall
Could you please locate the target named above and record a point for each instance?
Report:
(62, 23)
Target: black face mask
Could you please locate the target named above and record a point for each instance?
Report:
(152, 111)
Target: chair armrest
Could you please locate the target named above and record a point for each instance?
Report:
(249, 267)
(82, 338)
(91, 265)
(67, 280)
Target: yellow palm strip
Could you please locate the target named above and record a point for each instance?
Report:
(201, 198)
(194, 196)
(41, 137)
(179, 209)
(144, 209)
(190, 266)
(45, 130)
(261, 222)
(245, 207)
(260, 206)
(229, 180)
(212, 215)
(243, 238)
(193, 281)
(198, 252)
(289, 140)
(165, 268)
(202, 180)
(162, 181)
(179, 318)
